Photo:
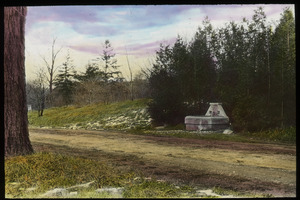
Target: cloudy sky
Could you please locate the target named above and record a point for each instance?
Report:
(139, 29)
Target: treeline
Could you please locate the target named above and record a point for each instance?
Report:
(101, 82)
(248, 66)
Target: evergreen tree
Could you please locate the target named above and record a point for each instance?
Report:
(203, 71)
(166, 107)
(284, 65)
(109, 65)
(92, 73)
(182, 80)
(64, 82)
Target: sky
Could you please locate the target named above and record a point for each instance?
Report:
(134, 31)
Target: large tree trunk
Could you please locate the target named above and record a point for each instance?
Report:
(15, 106)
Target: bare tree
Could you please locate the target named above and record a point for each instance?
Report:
(15, 106)
(88, 92)
(140, 85)
(51, 68)
(36, 92)
(130, 73)
(39, 90)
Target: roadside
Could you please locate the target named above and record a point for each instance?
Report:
(242, 167)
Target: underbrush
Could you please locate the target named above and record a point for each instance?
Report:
(32, 175)
(278, 135)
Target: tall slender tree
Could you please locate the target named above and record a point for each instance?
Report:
(109, 68)
(204, 68)
(130, 73)
(284, 62)
(51, 68)
(40, 90)
(166, 106)
(15, 107)
(64, 81)
(109, 63)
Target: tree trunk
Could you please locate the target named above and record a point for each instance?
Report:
(15, 105)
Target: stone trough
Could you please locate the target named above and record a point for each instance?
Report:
(215, 119)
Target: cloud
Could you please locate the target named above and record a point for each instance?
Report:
(154, 16)
(134, 24)
(136, 49)
(85, 48)
(67, 14)
(95, 29)
(145, 48)
(105, 20)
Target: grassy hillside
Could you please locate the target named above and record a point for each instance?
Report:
(133, 115)
(120, 115)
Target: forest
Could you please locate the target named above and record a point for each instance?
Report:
(248, 66)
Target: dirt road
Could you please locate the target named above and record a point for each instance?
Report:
(247, 167)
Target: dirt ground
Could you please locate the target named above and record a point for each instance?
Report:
(243, 167)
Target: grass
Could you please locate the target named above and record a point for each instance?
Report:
(155, 189)
(45, 171)
(278, 135)
(94, 116)
(195, 135)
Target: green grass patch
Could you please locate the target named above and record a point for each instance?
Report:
(100, 113)
(45, 171)
(196, 135)
(278, 135)
(155, 189)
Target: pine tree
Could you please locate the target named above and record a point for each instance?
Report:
(284, 65)
(64, 82)
(109, 65)
(203, 72)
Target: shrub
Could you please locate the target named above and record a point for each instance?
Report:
(286, 135)
(249, 114)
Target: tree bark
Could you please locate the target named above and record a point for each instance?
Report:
(15, 105)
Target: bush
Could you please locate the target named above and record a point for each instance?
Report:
(166, 106)
(164, 112)
(250, 114)
(285, 135)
